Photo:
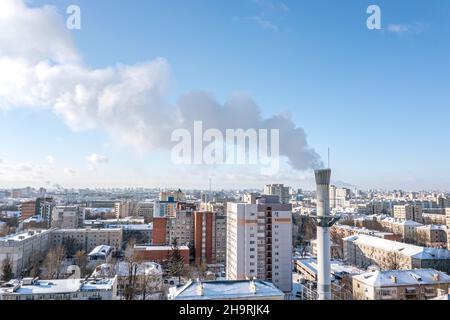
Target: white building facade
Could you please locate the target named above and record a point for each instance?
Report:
(259, 241)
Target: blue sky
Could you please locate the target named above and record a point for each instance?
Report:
(379, 98)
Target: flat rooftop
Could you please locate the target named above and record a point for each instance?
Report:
(403, 277)
(22, 235)
(155, 248)
(413, 251)
(227, 289)
(56, 286)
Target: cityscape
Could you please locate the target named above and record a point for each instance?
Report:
(153, 244)
(307, 167)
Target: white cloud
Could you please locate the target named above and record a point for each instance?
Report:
(50, 159)
(261, 22)
(272, 5)
(41, 68)
(21, 171)
(69, 171)
(94, 160)
(398, 28)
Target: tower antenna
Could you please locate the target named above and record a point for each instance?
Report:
(329, 157)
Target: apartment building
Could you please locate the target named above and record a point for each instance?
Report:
(434, 218)
(22, 248)
(432, 236)
(405, 228)
(123, 209)
(417, 284)
(408, 212)
(66, 217)
(339, 197)
(447, 217)
(89, 238)
(180, 226)
(259, 241)
(27, 209)
(343, 231)
(61, 289)
(278, 190)
(363, 251)
(209, 237)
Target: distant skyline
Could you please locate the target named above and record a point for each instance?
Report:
(95, 107)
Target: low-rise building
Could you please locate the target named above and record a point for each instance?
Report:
(100, 254)
(406, 228)
(343, 231)
(417, 284)
(62, 289)
(159, 254)
(363, 251)
(307, 267)
(89, 238)
(432, 236)
(434, 218)
(22, 248)
(227, 290)
(147, 276)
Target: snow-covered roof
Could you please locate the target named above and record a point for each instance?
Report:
(433, 227)
(17, 237)
(227, 289)
(402, 277)
(56, 286)
(337, 267)
(402, 222)
(158, 248)
(101, 250)
(121, 269)
(410, 250)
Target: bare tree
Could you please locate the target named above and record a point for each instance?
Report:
(150, 284)
(202, 270)
(392, 261)
(53, 261)
(81, 260)
(133, 264)
(35, 266)
(337, 239)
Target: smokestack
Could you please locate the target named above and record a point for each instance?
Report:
(323, 222)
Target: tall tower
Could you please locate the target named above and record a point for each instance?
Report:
(323, 221)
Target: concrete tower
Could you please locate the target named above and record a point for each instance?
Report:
(323, 221)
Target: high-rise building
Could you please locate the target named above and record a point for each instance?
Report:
(408, 212)
(27, 209)
(209, 237)
(179, 226)
(339, 196)
(278, 190)
(123, 209)
(259, 241)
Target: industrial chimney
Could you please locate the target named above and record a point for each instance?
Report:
(323, 221)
